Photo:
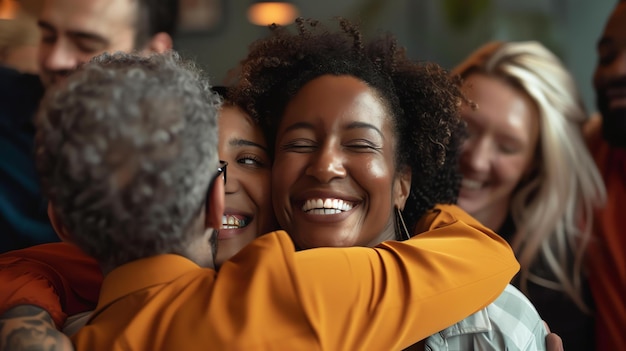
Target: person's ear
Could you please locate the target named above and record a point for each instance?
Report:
(160, 43)
(402, 187)
(214, 211)
(57, 225)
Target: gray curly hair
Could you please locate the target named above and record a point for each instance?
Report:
(125, 150)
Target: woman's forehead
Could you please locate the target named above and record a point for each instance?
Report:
(331, 98)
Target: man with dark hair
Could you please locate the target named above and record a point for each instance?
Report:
(72, 32)
(607, 142)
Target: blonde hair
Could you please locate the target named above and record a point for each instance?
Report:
(552, 209)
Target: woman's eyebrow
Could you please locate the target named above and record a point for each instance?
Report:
(245, 142)
(299, 125)
(363, 125)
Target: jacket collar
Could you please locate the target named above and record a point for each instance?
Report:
(140, 274)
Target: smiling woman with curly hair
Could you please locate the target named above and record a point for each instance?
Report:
(421, 99)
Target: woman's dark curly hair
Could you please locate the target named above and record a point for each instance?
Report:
(422, 99)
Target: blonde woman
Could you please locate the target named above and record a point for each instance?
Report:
(528, 175)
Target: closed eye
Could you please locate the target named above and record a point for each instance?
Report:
(606, 52)
(299, 146)
(362, 145)
(508, 149)
(48, 38)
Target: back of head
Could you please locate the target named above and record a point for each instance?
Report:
(125, 149)
(547, 205)
(422, 99)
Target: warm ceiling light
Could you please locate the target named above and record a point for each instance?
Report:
(263, 13)
(8, 9)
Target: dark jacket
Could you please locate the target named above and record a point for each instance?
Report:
(23, 218)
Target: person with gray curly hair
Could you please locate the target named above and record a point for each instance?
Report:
(116, 178)
(127, 150)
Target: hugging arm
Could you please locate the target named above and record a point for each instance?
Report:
(31, 328)
(361, 298)
(419, 286)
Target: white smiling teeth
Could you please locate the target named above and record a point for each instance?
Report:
(232, 222)
(326, 206)
(319, 203)
(328, 203)
(324, 211)
(471, 184)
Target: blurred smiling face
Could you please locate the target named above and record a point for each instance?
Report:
(248, 206)
(333, 179)
(502, 137)
(610, 78)
(74, 31)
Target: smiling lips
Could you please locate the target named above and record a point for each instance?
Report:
(470, 184)
(326, 206)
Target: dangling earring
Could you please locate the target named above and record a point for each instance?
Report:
(402, 233)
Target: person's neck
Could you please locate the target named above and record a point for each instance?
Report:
(388, 233)
(493, 217)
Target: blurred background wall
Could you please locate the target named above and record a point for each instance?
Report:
(19, 34)
(443, 31)
(217, 32)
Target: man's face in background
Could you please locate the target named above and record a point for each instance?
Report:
(610, 78)
(74, 31)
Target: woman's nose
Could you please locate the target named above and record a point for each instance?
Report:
(327, 164)
(476, 156)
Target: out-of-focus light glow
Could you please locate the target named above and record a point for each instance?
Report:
(265, 13)
(8, 9)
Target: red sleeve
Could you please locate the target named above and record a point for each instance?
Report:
(57, 277)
